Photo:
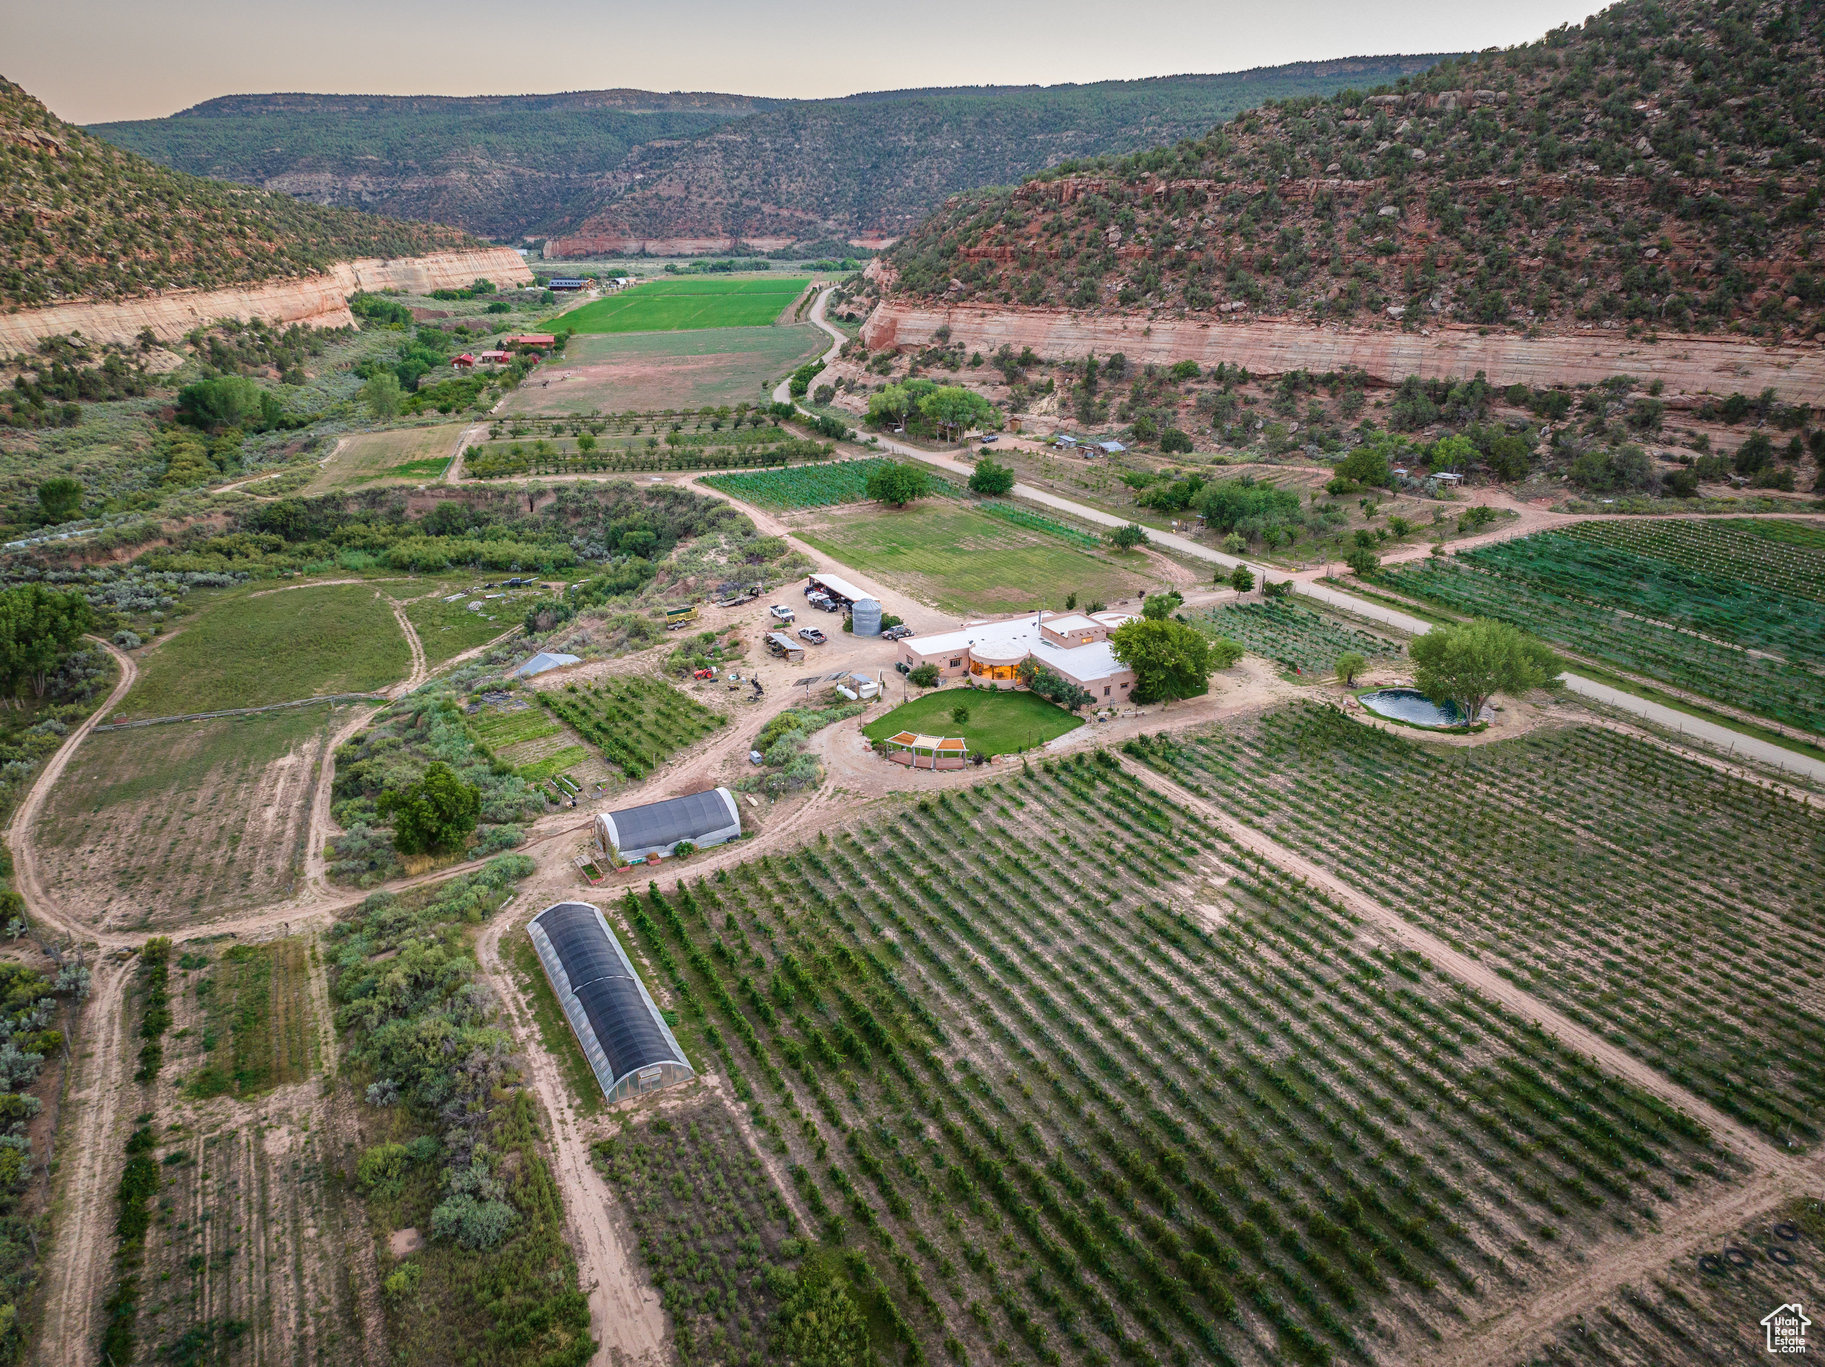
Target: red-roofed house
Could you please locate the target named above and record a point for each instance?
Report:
(463, 362)
(531, 339)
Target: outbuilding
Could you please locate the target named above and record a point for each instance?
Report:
(840, 589)
(629, 1046)
(636, 834)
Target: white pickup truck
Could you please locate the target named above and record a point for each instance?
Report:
(781, 613)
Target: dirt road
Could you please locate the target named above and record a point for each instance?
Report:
(624, 1312)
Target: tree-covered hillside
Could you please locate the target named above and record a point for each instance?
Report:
(497, 165)
(1658, 166)
(621, 161)
(878, 163)
(83, 219)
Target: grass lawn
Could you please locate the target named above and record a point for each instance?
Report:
(653, 371)
(246, 650)
(407, 453)
(999, 722)
(963, 561)
(678, 305)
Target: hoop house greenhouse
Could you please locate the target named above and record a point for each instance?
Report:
(635, 834)
(626, 1040)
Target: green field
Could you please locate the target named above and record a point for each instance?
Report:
(683, 305)
(250, 650)
(405, 453)
(1000, 723)
(448, 629)
(962, 561)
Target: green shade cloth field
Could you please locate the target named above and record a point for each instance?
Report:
(682, 305)
(247, 651)
(1000, 723)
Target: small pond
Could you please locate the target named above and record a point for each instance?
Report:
(1413, 707)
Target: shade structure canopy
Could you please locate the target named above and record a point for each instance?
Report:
(704, 819)
(627, 1042)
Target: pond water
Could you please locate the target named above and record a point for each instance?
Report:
(1413, 707)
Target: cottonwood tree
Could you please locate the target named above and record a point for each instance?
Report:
(1468, 664)
(1349, 665)
(1128, 537)
(1169, 659)
(38, 628)
(990, 478)
(951, 408)
(898, 484)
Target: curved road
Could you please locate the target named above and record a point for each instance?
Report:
(1305, 582)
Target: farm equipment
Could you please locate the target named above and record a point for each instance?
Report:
(707, 672)
(678, 617)
(735, 597)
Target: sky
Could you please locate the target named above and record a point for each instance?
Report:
(98, 60)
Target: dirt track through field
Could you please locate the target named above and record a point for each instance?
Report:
(625, 1314)
(1762, 1155)
(77, 1266)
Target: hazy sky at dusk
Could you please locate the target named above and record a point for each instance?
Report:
(93, 60)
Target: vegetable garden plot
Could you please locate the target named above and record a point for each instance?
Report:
(1676, 911)
(257, 1026)
(710, 1225)
(1055, 1110)
(635, 721)
(1793, 693)
(1291, 635)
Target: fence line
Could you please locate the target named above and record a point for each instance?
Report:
(240, 711)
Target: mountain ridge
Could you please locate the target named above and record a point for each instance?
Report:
(1657, 166)
(617, 166)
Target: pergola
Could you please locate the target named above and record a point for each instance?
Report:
(927, 752)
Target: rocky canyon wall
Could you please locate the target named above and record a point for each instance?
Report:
(315, 300)
(1686, 365)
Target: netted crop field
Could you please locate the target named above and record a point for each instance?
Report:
(1296, 637)
(1786, 556)
(634, 720)
(709, 1224)
(822, 486)
(1087, 1083)
(1557, 610)
(665, 445)
(1674, 910)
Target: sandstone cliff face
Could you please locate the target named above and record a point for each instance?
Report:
(574, 245)
(317, 300)
(1687, 365)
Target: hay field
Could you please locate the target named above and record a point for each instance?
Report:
(414, 454)
(247, 650)
(961, 561)
(694, 302)
(651, 372)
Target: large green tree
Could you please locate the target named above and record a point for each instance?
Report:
(899, 484)
(435, 813)
(990, 478)
(60, 498)
(1469, 663)
(889, 407)
(951, 409)
(38, 628)
(1169, 659)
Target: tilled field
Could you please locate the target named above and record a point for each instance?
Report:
(1672, 909)
(159, 826)
(1087, 1082)
(258, 1248)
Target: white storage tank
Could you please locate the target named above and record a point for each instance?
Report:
(865, 618)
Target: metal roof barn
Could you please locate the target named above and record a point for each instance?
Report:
(626, 1040)
(839, 588)
(657, 828)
